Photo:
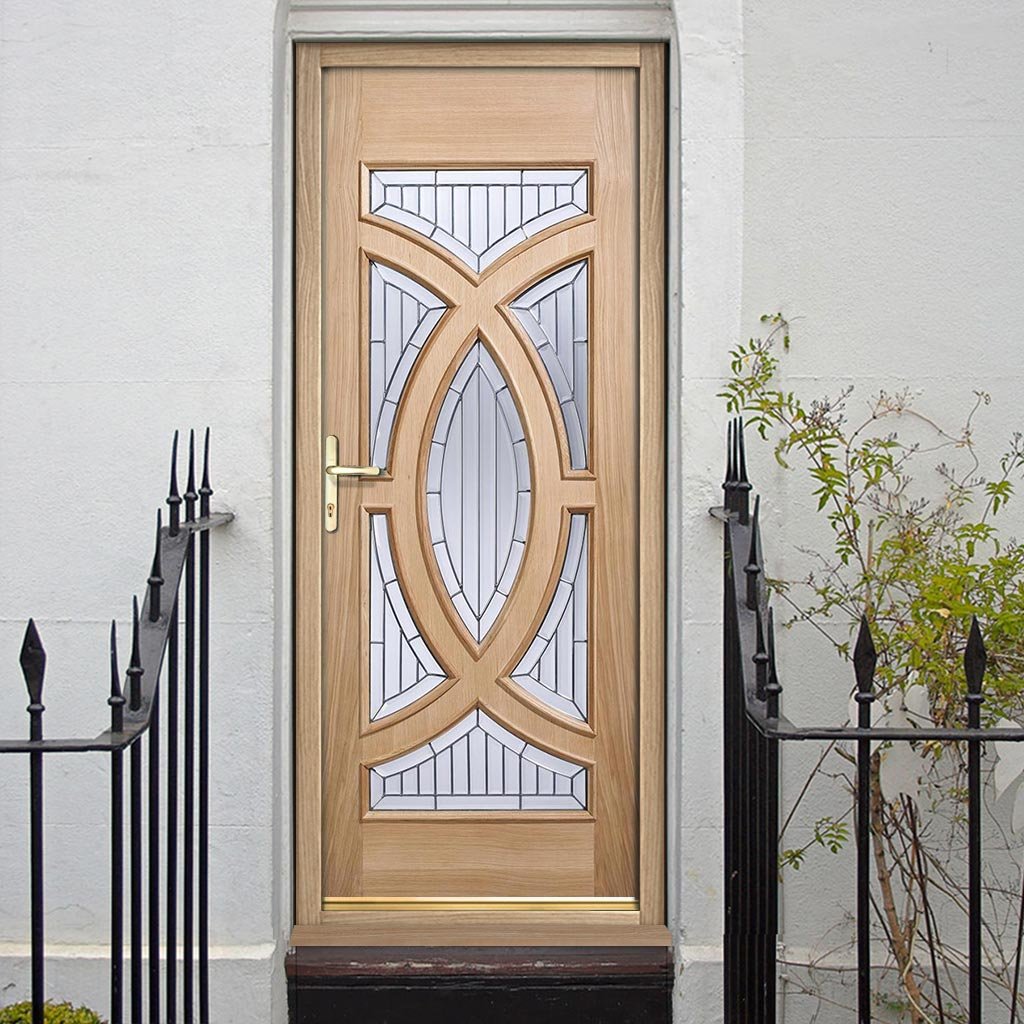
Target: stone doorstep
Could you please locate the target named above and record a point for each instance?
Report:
(496, 985)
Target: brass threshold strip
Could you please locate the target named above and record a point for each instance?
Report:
(549, 903)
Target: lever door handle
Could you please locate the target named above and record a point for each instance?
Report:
(352, 470)
(332, 471)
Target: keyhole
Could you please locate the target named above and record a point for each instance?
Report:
(330, 508)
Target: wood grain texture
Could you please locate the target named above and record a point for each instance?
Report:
(535, 858)
(448, 55)
(614, 568)
(455, 929)
(653, 472)
(491, 105)
(307, 486)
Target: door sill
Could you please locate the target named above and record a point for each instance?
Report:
(494, 930)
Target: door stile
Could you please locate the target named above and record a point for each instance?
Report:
(614, 523)
(653, 473)
(308, 484)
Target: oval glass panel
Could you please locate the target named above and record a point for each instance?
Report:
(478, 491)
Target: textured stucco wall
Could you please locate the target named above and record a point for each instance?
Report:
(882, 182)
(853, 165)
(136, 252)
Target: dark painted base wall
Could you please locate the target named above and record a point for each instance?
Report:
(347, 985)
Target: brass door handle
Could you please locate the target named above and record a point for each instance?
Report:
(331, 473)
(352, 470)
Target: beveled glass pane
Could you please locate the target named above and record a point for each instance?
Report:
(478, 765)
(402, 316)
(554, 667)
(554, 313)
(402, 666)
(478, 215)
(478, 491)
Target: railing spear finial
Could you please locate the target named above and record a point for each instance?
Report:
(753, 566)
(773, 689)
(190, 489)
(173, 497)
(116, 698)
(865, 658)
(729, 483)
(760, 658)
(743, 485)
(135, 669)
(975, 661)
(205, 490)
(156, 579)
(33, 668)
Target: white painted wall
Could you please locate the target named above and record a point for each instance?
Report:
(136, 296)
(854, 165)
(883, 153)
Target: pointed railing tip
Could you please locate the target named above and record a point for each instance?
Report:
(741, 452)
(774, 687)
(741, 487)
(135, 669)
(115, 675)
(173, 489)
(190, 487)
(116, 699)
(753, 561)
(204, 487)
(156, 579)
(753, 567)
(975, 658)
(173, 497)
(730, 465)
(33, 662)
(865, 658)
(760, 657)
(736, 427)
(136, 659)
(156, 569)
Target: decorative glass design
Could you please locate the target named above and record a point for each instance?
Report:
(554, 667)
(478, 215)
(402, 666)
(478, 491)
(402, 316)
(477, 765)
(554, 314)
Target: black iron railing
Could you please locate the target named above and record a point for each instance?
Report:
(135, 712)
(754, 725)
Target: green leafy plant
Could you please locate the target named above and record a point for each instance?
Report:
(829, 834)
(913, 544)
(54, 1013)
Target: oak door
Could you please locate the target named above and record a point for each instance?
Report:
(479, 486)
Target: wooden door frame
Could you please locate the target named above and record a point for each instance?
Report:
(313, 925)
